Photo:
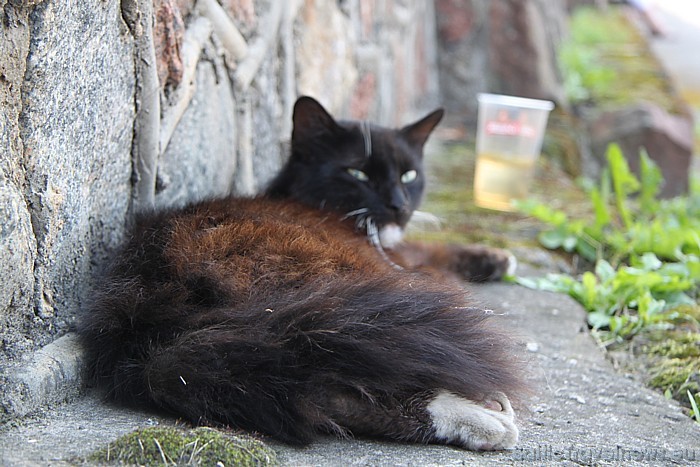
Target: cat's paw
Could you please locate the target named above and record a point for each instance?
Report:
(478, 263)
(480, 426)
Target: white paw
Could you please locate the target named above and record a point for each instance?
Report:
(469, 424)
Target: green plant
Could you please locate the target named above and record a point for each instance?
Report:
(627, 299)
(587, 75)
(605, 61)
(646, 251)
(628, 219)
(695, 412)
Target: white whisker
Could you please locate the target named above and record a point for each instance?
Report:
(354, 213)
(426, 219)
(373, 235)
(361, 218)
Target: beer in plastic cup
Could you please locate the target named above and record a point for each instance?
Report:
(508, 143)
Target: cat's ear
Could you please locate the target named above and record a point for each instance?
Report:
(311, 119)
(417, 133)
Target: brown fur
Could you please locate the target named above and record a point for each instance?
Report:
(272, 315)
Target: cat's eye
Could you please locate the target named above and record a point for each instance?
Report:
(358, 174)
(409, 176)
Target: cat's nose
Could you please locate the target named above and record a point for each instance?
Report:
(398, 201)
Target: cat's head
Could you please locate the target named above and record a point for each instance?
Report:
(371, 174)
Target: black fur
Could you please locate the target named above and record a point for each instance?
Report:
(272, 316)
(323, 149)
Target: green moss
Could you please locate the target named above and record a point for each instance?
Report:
(608, 62)
(676, 376)
(178, 446)
(690, 315)
(673, 362)
(592, 26)
(679, 346)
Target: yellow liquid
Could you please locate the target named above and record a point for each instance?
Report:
(499, 180)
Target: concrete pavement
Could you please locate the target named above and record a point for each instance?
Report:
(583, 412)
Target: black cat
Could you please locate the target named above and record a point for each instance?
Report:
(295, 313)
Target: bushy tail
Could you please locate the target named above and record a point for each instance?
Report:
(267, 363)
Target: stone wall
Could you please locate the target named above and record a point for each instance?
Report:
(114, 107)
(499, 46)
(67, 112)
(106, 112)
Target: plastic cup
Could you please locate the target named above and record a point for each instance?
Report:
(508, 143)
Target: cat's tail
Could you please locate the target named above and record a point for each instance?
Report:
(271, 363)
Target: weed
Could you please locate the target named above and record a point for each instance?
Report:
(646, 251)
(645, 275)
(695, 412)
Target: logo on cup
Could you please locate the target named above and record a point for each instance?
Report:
(495, 127)
(506, 125)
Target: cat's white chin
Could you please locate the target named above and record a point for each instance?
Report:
(390, 235)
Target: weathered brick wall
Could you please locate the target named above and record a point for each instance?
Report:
(105, 113)
(500, 46)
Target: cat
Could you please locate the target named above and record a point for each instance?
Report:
(381, 192)
(297, 313)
